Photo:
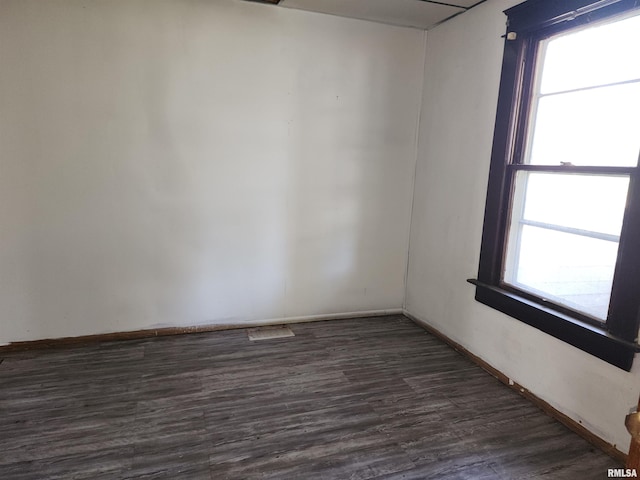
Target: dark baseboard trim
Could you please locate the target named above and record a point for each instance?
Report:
(111, 337)
(165, 331)
(568, 422)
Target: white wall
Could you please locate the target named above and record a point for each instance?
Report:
(184, 162)
(462, 73)
(176, 162)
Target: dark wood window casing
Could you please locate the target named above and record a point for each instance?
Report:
(614, 341)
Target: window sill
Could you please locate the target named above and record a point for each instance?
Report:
(589, 338)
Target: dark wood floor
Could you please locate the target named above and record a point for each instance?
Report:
(375, 398)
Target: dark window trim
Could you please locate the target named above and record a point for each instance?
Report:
(539, 14)
(613, 342)
(582, 335)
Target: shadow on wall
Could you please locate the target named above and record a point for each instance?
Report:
(200, 162)
(346, 223)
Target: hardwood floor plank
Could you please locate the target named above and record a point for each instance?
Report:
(371, 398)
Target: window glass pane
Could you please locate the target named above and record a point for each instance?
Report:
(588, 202)
(593, 56)
(590, 127)
(563, 237)
(572, 270)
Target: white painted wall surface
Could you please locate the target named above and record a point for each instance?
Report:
(462, 74)
(185, 162)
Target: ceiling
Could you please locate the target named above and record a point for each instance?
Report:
(408, 13)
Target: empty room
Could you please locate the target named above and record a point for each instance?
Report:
(319, 239)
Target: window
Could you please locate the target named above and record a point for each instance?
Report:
(561, 239)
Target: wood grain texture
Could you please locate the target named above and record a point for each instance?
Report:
(374, 398)
(541, 404)
(633, 460)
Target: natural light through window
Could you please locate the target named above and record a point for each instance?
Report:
(565, 225)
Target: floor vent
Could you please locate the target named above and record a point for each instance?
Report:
(268, 333)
